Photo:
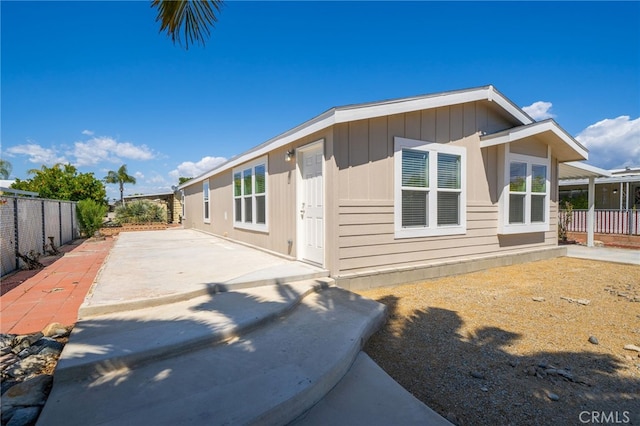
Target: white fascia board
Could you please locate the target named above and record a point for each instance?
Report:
(268, 146)
(344, 115)
(510, 108)
(579, 170)
(401, 106)
(518, 133)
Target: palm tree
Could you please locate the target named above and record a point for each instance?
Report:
(5, 169)
(120, 177)
(191, 18)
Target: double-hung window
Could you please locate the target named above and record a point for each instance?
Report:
(430, 188)
(526, 194)
(250, 195)
(205, 201)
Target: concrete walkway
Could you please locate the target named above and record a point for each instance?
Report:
(604, 254)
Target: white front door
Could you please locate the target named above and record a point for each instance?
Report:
(311, 204)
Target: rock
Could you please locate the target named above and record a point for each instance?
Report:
(578, 301)
(552, 396)
(593, 340)
(24, 416)
(30, 392)
(30, 338)
(452, 418)
(477, 375)
(48, 346)
(564, 373)
(6, 340)
(538, 299)
(632, 348)
(24, 341)
(513, 363)
(531, 371)
(484, 389)
(28, 366)
(55, 329)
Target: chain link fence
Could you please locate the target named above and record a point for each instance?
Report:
(31, 225)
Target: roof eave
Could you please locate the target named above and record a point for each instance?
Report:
(367, 111)
(565, 146)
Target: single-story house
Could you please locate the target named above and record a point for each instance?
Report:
(396, 191)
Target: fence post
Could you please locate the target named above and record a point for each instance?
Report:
(60, 221)
(44, 230)
(15, 231)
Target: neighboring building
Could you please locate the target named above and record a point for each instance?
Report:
(171, 201)
(620, 191)
(396, 191)
(5, 189)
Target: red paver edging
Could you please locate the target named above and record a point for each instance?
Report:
(56, 292)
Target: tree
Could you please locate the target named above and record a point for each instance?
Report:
(188, 18)
(5, 169)
(183, 179)
(63, 182)
(120, 177)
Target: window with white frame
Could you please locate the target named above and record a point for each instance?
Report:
(526, 194)
(205, 201)
(250, 195)
(430, 188)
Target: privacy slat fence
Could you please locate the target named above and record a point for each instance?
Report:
(27, 223)
(624, 222)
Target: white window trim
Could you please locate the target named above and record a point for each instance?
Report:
(433, 229)
(260, 227)
(506, 228)
(206, 202)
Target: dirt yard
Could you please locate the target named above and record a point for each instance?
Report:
(511, 345)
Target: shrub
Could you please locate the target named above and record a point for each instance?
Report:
(140, 211)
(565, 220)
(90, 216)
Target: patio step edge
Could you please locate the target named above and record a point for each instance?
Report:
(90, 364)
(88, 311)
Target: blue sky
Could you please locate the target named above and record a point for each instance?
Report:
(96, 85)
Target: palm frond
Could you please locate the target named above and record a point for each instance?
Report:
(191, 19)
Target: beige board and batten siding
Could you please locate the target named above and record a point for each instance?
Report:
(280, 236)
(364, 160)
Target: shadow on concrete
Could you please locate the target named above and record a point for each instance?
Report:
(441, 361)
(214, 378)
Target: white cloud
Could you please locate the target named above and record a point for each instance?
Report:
(191, 169)
(539, 110)
(158, 180)
(138, 175)
(88, 132)
(105, 148)
(613, 142)
(37, 154)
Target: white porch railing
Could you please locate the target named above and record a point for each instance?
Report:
(624, 222)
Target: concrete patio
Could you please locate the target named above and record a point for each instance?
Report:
(182, 327)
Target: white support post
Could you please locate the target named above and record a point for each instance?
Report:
(591, 213)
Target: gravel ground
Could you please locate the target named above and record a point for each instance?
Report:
(511, 345)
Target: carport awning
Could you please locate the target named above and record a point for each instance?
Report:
(578, 170)
(564, 146)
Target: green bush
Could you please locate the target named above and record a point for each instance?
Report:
(140, 211)
(90, 216)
